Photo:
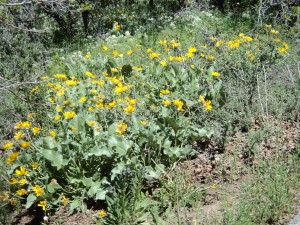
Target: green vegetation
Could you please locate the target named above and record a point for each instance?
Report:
(99, 111)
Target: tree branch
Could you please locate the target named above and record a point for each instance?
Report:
(15, 3)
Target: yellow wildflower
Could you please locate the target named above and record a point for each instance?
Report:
(38, 190)
(171, 58)
(44, 78)
(268, 26)
(64, 199)
(31, 115)
(35, 165)
(154, 55)
(104, 47)
(175, 44)
(12, 157)
(36, 88)
(129, 52)
(57, 118)
(206, 103)
(273, 31)
(92, 123)
(144, 122)
(166, 102)
(19, 125)
(69, 115)
(219, 43)
(118, 26)
(8, 145)
(164, 92)
(89, 74)
(179, 104)
(215, 74)
(129, 109)
(25, 144)
(88, 56)
(73, 128)
(43, 205)
(163, 63)
(163, 42)
(251, 56)
(52, 133)
(121, 128)
(71, 82)
(26, 124)
(111, 105)
(115, 53)
(234, 44)
(60, 76)
(113, 70)
(82, 99)
(22, 171)
(22, 192)
(4, 197)
(35, 130)
(211, 57)
(13, 201)
(13, 181)
(22, 181)
(189, 55)
(192, 50)
(179, 58)
(102, 213)
(132, 101)
(213, 38)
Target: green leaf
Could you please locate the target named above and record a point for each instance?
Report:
(88, 182)
(53, 187)
(30, 200)
(135, 123)
(154, 172)
(75, 204)
(94, 188)
(100, 195)
(117, 170)
(120, 145)
(99, 151)
(176, 152)
(54, 157)
(112, 129)
(79, 123)
(72, 70)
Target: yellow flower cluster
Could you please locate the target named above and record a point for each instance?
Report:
(206, 103)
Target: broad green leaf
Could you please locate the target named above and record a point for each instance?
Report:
(176, 152)
(120, 145)
(75, 204)
(53, 187)
(54, 157)
(95, 186)
(135, 123)
(88, 182)
(100, 195)
(99, 151)
(117, 170)
(30, 200)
